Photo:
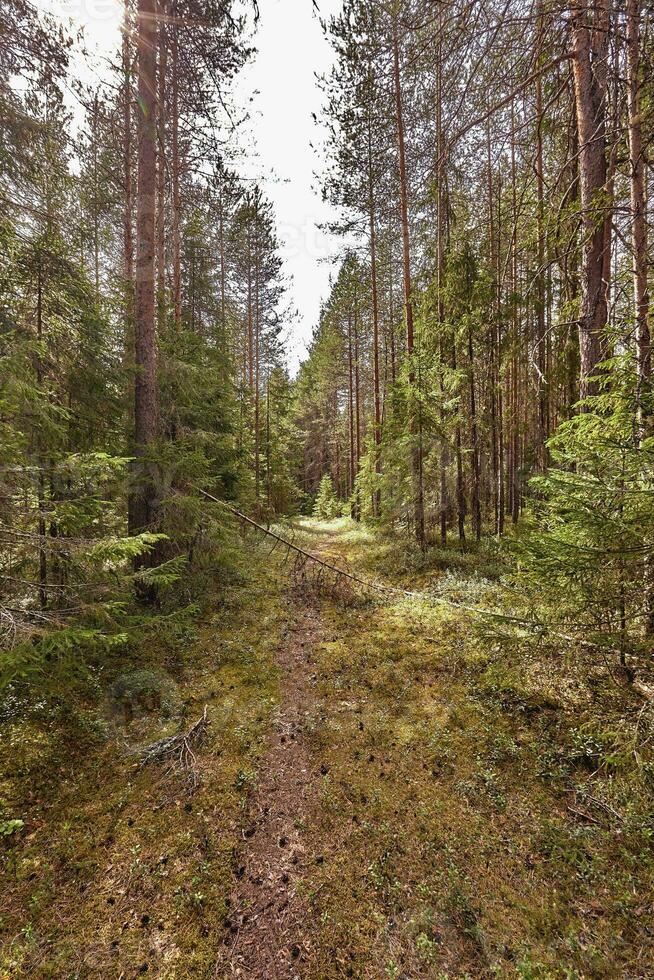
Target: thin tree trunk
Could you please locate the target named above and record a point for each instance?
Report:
(142, 498)
(128, 239)
(376, 500)
(639, 248)
(444, 460)
(257, 353)
(541, 332)
(416, 453)
(350, 362)
(357, 401)
(41, 523)
(460, 490)
(493, 259)
(639, 241)
(161, 168)
(96, 204)
(175, 153)
(474, 444)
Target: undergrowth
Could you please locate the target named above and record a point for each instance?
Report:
(110, 870)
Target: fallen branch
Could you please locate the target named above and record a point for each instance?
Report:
(305, 554)
(178, 750)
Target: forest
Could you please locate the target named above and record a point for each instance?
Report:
(343, 671)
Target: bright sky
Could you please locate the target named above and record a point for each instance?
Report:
(291, 49)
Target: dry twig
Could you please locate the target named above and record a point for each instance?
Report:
(178, 751)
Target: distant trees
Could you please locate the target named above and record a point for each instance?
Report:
(509, 207)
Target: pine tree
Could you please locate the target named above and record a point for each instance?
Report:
(326, 506)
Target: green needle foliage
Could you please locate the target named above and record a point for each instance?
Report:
(326, 506)
(586, 556)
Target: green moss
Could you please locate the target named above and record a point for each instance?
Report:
(140, 873)
(456, 813)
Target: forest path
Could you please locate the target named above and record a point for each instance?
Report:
(267, 911)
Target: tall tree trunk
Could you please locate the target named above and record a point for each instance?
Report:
(376, 499)
(142, 498)
(416, 453)
(589, 50)
(96, 202)
(639, 241)
(474, 444)
(357, 402)
(460, 488)
(40, 496)
(444, 460)
(161, 167)
(493, 260)
(350, 364)
(639, 248)
(541, 331)
(128, 239)
(257, 359)
(175, 153)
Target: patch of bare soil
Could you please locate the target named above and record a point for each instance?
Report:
(265, 940)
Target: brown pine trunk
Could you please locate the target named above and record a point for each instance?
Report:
(161, 168)
(639, 241)
(223, 275)
(257, 359)
(444, 460)
(460, 489)
(142, 499)
(493, 260)
(357, 401)
(416, 453)
(391, 304)
(541, 331)
(474, 445)
(639, 245)
(40, 496)
(589, 48)
(176, 204)
(128, 240)
(250, 327)
(350, 363)
(376, 500)
(96, 202)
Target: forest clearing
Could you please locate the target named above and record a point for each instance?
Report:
(326, 489)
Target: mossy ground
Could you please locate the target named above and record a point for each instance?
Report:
(119, 872)
(482, 811)
(462, 824)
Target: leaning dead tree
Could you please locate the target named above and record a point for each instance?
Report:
(304, 559)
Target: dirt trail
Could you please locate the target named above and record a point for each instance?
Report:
(266, 923)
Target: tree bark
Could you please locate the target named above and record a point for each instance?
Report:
(161, 167)
(128, 238)
(589, 49)
(639, 248)
(639, 241)
(376, 500)
(541, 331)
(416, 453)
(175, 154)
(142, 498)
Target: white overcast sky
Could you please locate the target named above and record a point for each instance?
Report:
(291, 50)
